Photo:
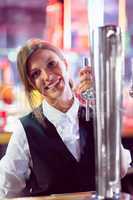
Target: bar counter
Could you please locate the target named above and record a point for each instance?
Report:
(73, 196)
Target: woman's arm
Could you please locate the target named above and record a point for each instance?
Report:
(14, 166)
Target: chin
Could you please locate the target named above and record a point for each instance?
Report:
(53, 95)
(57, 95)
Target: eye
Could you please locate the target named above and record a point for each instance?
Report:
(52, 63)
(35, 74)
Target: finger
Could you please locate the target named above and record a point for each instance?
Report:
(85, 70)
(87, 83)
(83, 89)
(85, 77)
(84, 86)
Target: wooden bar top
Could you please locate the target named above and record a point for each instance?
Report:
(73, 196)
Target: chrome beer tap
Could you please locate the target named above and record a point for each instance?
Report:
(108, 72)
(88, 94)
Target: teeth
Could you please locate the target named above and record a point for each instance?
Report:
(53, 84)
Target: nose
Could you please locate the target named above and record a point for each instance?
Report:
(45, 75)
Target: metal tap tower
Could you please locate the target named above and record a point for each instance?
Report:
(108, 72)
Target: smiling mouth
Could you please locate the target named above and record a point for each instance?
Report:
(52, 85)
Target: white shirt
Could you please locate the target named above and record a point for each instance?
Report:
(66, 123)
(14, 166)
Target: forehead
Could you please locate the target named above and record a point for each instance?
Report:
(43, 54)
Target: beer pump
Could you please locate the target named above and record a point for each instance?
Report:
(107, 67)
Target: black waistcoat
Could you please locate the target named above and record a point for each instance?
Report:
(55, 170)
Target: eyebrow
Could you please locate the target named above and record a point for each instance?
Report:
(50, 58)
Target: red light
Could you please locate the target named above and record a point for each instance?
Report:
(3, 120)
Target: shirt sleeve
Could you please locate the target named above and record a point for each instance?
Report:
(125, 160)
(14, 166)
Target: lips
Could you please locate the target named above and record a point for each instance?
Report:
(52, 84)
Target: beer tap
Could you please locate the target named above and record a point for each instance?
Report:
(88, 94)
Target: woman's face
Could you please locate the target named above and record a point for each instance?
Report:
(48, 73)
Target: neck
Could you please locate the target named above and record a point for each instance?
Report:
(63, 106)
(64, 102)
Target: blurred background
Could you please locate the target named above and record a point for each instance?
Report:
(67, 24)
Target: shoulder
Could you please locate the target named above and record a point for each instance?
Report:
(28, 119)
(33, 115)
(18, 138)
(27, 116)
(16, 126)
(35, 120)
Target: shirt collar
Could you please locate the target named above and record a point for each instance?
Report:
(56, 117)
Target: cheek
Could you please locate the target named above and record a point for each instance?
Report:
(36, 84)
(31, 83)
(61, 69)
(56, 74)
(62, 72)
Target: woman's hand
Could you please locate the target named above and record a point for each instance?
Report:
(85, 75)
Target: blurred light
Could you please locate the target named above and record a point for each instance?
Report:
(67, 24)
(12, 55)
(95, 16)
(72, 56)
(122, 15)
(3, 51)
(53, 8)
